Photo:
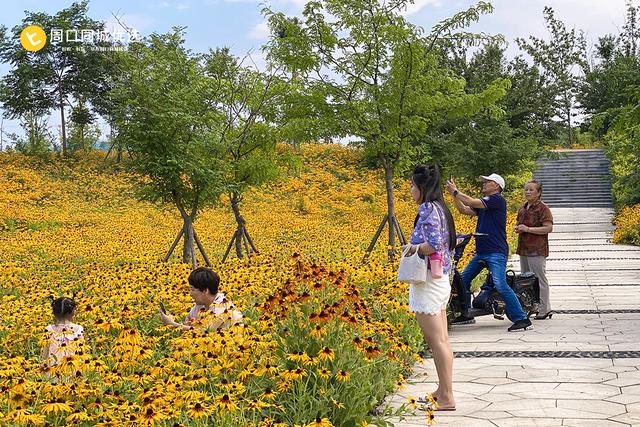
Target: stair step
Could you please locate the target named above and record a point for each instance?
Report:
(577, 169)
(573, 187)
(576, 179)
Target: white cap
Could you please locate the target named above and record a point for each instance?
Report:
(495, 178)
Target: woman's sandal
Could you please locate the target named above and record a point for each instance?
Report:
(425, 407)
(546, 316)
(425, 404)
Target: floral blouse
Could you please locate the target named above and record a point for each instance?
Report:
(432, 228)
(64, 340)
(221, 309)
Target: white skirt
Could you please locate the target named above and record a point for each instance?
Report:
(431, 297)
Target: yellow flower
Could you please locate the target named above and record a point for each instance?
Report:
(257, 404)
(150, 417)
(299, 356)
(412, 402)
(324, 373)
(18, 415)
(337, 404)
(77, 417)
(56, 407)
(294, 374)
(269, 394)
(320, 422)
(326, 354)
(199, 410)
(343, 376)
(226, 403)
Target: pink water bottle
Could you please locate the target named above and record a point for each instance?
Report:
(435, 265)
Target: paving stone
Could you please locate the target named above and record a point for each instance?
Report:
(531, 422)
(598, 408)
(625, 399)
(631, 418)
(591, 422)
(448, 420)
(562, 375)
(522, 404)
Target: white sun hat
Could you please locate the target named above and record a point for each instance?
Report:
(495, 178)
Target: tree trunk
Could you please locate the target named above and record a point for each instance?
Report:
(188, 249)
(62, 121)
(235, 206)
(569, 126)
(391, 212)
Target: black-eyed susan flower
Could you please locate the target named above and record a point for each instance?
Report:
(226, 403)
(199, 410)
(268, 394)
(326, 354)
(56, 407)
(77, 417)
(324, 373)
(320, 422)
(343, 376)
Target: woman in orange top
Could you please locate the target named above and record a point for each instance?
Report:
(533, 226)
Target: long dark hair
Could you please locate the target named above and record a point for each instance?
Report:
(427, 179)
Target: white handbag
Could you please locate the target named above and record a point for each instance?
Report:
(412, 269)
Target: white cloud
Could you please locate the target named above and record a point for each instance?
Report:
(260, 31)
(524, 18)
(417, 5)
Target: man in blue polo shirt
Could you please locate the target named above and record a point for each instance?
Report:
(491, 211)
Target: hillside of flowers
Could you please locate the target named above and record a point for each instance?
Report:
(326, 337)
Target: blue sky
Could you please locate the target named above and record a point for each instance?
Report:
(240, 25)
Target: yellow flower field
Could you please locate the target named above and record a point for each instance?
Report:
(326, 337)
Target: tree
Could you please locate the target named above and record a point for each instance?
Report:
(623, 146)
(197, 127)
(82, 136)
(56, 73)
(162, 102)
(507, 142)
(607, 85)
(373, 75)
(37, 140)
(561, 59)
(247, 100)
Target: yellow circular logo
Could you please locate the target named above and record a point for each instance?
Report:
(33, 38)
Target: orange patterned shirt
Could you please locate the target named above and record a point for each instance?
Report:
(536, 215)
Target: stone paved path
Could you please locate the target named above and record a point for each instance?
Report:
(580, 368)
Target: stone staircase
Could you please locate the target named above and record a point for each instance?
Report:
(578, 178)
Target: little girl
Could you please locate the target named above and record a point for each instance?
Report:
(64, 337)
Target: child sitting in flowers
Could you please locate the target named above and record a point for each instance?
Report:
(64, 337)
(211, 309)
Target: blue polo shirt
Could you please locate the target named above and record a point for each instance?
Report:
(492, 219)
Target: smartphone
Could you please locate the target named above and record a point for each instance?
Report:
(162, 309)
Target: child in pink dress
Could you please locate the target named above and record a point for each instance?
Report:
(64, 336)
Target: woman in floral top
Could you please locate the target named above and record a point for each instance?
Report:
(533, 226)
(434, 231)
